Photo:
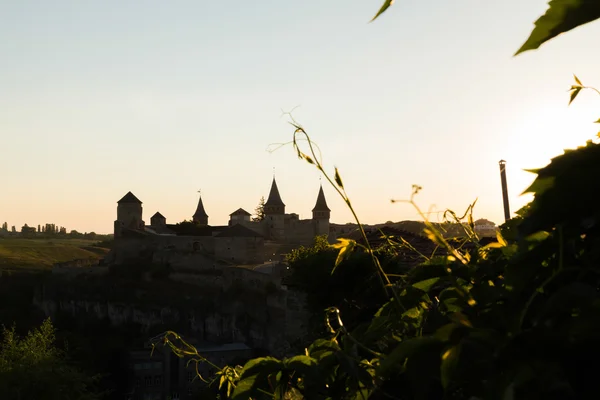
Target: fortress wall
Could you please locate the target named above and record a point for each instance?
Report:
(258, 227)
(301, 232)
(185, 243)
(184, 260)
(243, 250)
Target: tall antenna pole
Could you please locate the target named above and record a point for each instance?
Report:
(502, 164)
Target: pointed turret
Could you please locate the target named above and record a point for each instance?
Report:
(321, 204)
(274, 204)
(321, 211)
(129, 198)
(321, 214)
(200, 216)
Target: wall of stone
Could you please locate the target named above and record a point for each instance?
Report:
(300, 232)
(188, 260)
(205, 244)
(272, 321)
(241, 250)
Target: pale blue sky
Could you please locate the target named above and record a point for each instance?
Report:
(165, 97)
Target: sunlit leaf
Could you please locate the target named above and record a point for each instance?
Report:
(346, 246)
(501, 239)
(448, 365)
(433, 236)
(538, 236)
(577, 80)
(597, 121)
(561, 16)
(574, 94)
(412, 313)
(384, 7)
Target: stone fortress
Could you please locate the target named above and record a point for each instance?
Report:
(199, 245)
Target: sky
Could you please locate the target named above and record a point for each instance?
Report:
(167, 98)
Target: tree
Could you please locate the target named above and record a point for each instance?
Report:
(259, 211)
(33, 368)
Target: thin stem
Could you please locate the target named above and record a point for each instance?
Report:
(384, 280)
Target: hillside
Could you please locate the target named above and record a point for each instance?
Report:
(39, 254)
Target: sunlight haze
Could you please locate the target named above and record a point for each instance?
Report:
(166, 98)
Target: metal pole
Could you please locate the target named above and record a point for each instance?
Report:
(502, 164)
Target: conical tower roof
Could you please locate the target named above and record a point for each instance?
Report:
(200, 212)
(129, 198)
(274, 197)
(321, 204)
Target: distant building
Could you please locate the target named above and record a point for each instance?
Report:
(483, 227)
(242, 241)
(28, 231)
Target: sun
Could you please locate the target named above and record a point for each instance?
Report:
(537, 131)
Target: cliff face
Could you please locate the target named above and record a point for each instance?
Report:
(271, 319)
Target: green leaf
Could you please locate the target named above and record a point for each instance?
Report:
(574, 94)
(323, 348)
(561, 16)
(537, 237)
(461, 319)
(403, 351)
(301, 364)
(414, 312)
(262, 364)
(540, 185)
(448, 365)
(446, 332)
(243, 389)
(338, 178)
(501, 239)
(254, 374)
(597, 121)
(346, 246)
(426, 285)
(384, 7)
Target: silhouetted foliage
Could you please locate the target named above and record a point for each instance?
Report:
(32, 367)
(259, 211)
(512, 319)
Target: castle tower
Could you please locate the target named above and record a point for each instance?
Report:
(321, 214)
(129, 214)
(275, 214)
(200, 217)
(158, 220)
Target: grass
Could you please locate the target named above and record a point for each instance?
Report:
(40, 254)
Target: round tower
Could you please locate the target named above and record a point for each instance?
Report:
(275, 214)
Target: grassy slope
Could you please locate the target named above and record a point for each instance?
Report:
(17, 253)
